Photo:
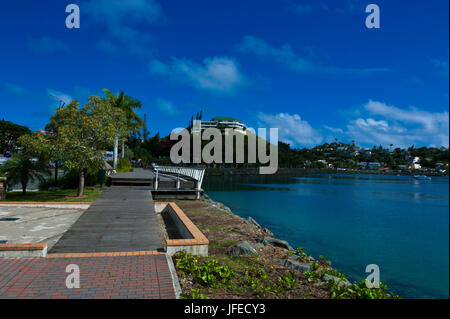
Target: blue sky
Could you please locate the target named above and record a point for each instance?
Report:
(310, 68)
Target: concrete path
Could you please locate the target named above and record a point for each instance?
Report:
(36, 225)
(122, 219)
(100, 277)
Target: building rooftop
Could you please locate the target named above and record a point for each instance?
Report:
(225, 118)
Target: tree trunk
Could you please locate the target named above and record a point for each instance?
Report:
(81, 182)
(24, 188)
(56, 173)
(116, 150)
(123, 149)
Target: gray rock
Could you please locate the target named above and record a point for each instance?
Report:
(257, 245)
(278, 243)
(295, 265)
(251, 221)
(294, 257)
(54, 188)
(341, 282)
(242, 248)
(226, 208)
(268, 232)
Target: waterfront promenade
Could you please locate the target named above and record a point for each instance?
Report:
(122, 218)
(140, 276)
(117, 245)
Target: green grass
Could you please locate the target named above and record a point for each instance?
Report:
(223, 244)
(220, 228)
(65, 195)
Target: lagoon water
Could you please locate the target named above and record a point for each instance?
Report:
(396, 222)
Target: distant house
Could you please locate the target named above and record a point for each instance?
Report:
(362, 165)
(439, 165)
(416, 163)
(3, 160)
(374, 165)
(222, 122)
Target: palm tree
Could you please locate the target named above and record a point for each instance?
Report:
(128, 105)
(22, 169)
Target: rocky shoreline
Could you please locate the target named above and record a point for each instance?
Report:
(292, 261)
(246, 261)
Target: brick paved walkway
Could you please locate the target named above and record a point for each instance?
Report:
(100, 277)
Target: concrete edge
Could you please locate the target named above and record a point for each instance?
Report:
(173, 274)
(23, 250)
(47, 205)
(198, 238)
(104, 254)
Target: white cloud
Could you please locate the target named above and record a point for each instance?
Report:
(291, 129)
(60, 96)
(219, 74)
(334, 130)
(415, 80)
(286, 56)
(119, 11)
(43, 103)
(19, 90)
(401, 127)
(167, 107)
(47, 44)
(107, 46)
(442, 65)
(121, 19)
(302, 9)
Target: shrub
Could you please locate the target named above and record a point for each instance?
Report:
(47, 183)
(124, 165)
(359, 291)
(69, 180)
(196, 294)
(206, 273)
(288, 281)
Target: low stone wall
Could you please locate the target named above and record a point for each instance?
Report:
(2, 188)
(193, 241)
(23, 250)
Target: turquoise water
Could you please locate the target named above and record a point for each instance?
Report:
(396, 222)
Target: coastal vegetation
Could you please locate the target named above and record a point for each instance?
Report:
(134, 123)
(74, 140)
(21, 169)
(76, 136)
(335, 155)
(9, 134)
(261, 274)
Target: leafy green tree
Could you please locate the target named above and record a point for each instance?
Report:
(128, 105)
(78, 132)
(22, 169)
(9, 134)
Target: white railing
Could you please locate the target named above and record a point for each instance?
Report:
(195, 173)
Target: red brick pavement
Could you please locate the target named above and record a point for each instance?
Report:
(145, 276)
